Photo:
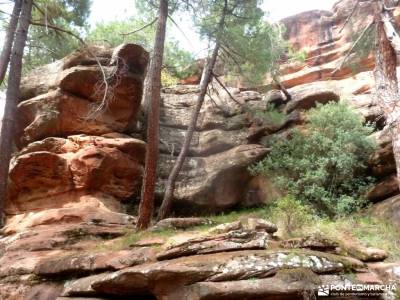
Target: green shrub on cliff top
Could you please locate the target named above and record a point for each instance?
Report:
(324, 165)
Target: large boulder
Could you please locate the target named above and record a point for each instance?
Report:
(76, 95)
(48, 173)
(213, 183)
(388, 209)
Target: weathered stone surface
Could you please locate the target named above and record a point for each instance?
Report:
(180, 223)
(50, 173)
(382, 162)
(389, 272)
(204, 143)
(86, 263)
(82, 287)
(231, 241)
(217, 267)
(58, 113)
(82, 209)
(23, 262)
(384, 189)
(44, 78)
(205, 182)
(313, 242)
(39, 81)
(63, 178)
(366, 254)
(227, 227)
(388, 209)
(257, 224)
(65, 106)
(307, 96)
(266, 288)
(37, 175)
(43, 237)
(107, 170)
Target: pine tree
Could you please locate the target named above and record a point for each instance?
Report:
(9, 40)
(12, 98)
(241, 40)
(152, 96)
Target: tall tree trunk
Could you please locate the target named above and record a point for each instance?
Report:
(206, 79)
(152, 96)
(9, 39)
(386, 83)
(12, 98)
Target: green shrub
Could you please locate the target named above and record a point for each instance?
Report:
(291, 213)
(167, 79)
(269, 116)
(324, 165)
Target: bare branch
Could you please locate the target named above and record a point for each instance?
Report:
(391, 33)
(352, 48)
(103, 103)
(179, 28)
(226, 90)
(350, 15)
(140, 29)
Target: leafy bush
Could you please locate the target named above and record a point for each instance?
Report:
(292, 213)
(271, 115)
(167, 79)
(325, 164)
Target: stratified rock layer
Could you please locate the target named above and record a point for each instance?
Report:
(67, 234)
(75, 163)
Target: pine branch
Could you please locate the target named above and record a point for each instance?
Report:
(350, 15)
(226, 90)
(179, 28)
(140, 29)
(103, 103)
(352, 48)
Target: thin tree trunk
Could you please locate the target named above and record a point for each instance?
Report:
(9, 39)
(152, 96)
(206, 79)
(386, 83)
(12, 98)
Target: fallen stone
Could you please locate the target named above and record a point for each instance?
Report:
(361, 252)
(227, 227)
(179, 223)
(384, 189)
(258, 224)
(388, 209)
(313, 242)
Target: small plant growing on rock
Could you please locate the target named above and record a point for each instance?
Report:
(292, 213)
(324, 165)
(269, 116)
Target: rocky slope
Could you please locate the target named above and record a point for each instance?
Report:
(78, 169)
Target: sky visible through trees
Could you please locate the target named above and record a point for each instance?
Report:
(121, 9)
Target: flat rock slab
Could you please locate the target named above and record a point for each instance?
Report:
(310, 242)
(232, 241)
(180, 223)
(249, 224)
(217, 267)
(84, 263)
(366, 254)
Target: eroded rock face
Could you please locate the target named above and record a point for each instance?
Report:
(205, 182)
(218, 267)
(50, 172)
(66, 216)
